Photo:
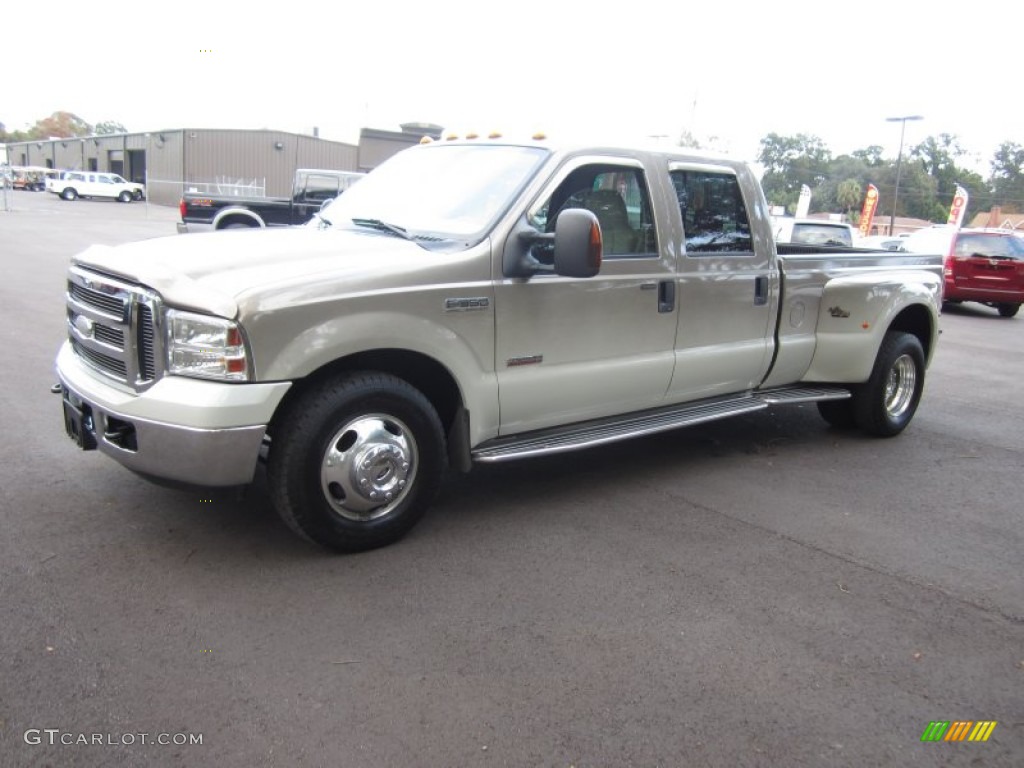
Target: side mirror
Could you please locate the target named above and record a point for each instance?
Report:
(578, 243)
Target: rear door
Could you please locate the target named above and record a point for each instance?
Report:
(728, 289)
(989, 263)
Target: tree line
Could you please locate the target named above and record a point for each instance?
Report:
(928, 177)
(61, 125)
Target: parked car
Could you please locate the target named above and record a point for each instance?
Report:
(981, 265)
(74, 184)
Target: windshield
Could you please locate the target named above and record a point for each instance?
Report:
(452, 192)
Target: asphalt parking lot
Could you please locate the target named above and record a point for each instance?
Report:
(757, 592)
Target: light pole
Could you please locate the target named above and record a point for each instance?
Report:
(899, 161)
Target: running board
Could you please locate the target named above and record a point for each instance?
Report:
(587, 434)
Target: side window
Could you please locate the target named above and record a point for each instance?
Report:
(319, 188)
(713, 213)
(617, 195)
(104, 180)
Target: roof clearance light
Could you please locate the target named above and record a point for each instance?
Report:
(539, 136)
(451, 137)
(426, 140)
(472, 135)
(494, 135)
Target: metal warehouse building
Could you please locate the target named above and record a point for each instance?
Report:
(256, 161)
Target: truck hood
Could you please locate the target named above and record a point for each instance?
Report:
(213, 272)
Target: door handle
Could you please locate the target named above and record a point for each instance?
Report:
(760, 290)
(666, 295)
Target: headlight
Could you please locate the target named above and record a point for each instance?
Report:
(205, 346)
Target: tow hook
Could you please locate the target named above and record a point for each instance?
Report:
(56, 389)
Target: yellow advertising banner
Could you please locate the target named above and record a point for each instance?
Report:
(867, 212)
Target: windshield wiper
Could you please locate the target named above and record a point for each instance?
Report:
(383, 226)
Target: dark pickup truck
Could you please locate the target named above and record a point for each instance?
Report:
(310, 190)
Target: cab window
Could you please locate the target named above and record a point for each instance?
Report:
(618, 196)
(714, 216)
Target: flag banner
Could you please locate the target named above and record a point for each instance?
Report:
(804, 203)
(958, 208)
(867, 212)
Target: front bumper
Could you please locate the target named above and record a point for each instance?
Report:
(190, 431)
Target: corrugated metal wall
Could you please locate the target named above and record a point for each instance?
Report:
(172, 159)
(273, 156)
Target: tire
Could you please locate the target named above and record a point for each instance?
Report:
(354, 463)
(885, 405)
(125, 197)
(69, 193)
(238, 225)
(1008, 310)
(839, 413)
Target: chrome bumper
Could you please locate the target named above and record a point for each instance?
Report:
(202, 457)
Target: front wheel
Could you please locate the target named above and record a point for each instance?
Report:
(885, 404)
(1008, 310)
(354, 463)
(125, 197)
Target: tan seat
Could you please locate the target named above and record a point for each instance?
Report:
(609, 207)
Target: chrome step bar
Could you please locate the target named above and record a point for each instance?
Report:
(587, 434)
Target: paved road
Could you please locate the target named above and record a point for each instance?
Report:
(759, 592)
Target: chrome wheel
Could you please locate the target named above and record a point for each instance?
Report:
(900, 386)
(369, 467)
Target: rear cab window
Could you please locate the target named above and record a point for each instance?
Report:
(713, 212)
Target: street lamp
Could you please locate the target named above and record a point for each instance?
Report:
(899, 160)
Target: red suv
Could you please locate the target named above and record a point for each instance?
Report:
(982, 265)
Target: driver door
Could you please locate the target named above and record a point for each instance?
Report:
(572, 349)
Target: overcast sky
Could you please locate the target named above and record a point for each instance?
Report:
(624, 70)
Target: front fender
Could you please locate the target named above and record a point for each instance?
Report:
(464, 348)
(855, 313)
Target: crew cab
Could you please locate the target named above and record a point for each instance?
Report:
(478, 302)
(982, 265)
(311, 190)
(70, 185)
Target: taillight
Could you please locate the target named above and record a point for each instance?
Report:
(947, 265)
(181, 208)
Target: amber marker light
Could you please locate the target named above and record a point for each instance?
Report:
(472, 135)
(596, 245)
(426, 140)
(494, 135)
(451, 137)
(539, 136)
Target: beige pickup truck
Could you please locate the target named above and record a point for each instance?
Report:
(478, 301)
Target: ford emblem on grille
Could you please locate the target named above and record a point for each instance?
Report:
(84, 326)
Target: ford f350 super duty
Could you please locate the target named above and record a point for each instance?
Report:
(478, 301)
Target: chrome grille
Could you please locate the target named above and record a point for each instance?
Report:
(112, 336)
(146, 342)
(112, 305)
(104, 362)
(113, 326)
